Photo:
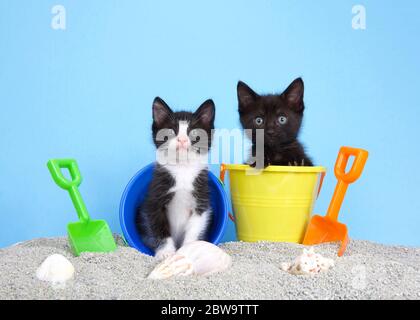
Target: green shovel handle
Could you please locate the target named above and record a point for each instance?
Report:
(55, 166)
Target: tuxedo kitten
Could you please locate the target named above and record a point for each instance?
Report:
(177, 208)
(280, 115)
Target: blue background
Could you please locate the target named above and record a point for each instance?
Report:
(86, 93)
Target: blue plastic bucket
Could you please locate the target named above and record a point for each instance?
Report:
(135, 193)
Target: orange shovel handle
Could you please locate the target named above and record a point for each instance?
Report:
(344, 179)
(360, 157)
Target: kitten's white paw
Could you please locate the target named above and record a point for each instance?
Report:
(165, 251)
(162, 254)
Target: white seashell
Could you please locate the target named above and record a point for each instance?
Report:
(308, 262)
(194, 258)
(56, 269)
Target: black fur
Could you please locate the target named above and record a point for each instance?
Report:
(152, 222)
(201, 194)
(281, 146)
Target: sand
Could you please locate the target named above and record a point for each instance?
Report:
(367, 271)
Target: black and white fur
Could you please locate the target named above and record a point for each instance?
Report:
(177, 208)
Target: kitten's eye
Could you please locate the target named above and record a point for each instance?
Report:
(195, 135)
(169, 133)
(165, 134)
(282, 120)
(259, 121)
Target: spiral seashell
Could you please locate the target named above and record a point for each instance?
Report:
(56, 269)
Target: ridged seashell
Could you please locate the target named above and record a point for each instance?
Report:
(308, 262)
(56, 269)
(194, 258)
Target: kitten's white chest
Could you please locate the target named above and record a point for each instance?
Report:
(182, 206)
(184, 177)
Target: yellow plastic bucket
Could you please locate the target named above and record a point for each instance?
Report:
(275, 204)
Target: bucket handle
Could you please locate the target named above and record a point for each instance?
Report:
(222, 173)
(321, 180)
(222, 180)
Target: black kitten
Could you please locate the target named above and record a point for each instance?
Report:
(280, 115)
(177, 208)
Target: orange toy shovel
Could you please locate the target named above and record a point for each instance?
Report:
(328, 229)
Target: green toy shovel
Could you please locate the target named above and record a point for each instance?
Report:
(86, 235)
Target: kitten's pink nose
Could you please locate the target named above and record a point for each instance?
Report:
(182, 140)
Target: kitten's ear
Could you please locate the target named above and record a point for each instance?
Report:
(294, 95)
(161, 111)
(245, 95)
(206, 112)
